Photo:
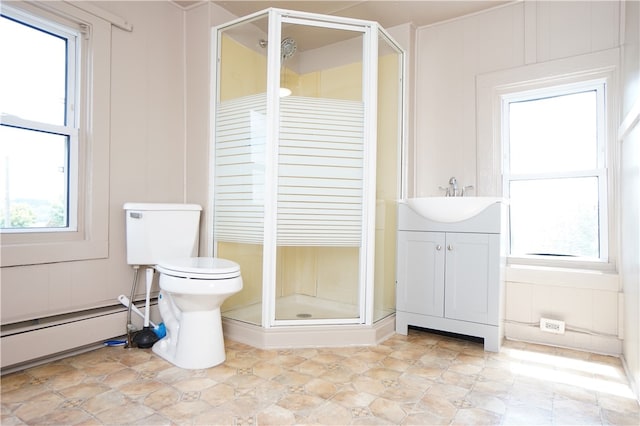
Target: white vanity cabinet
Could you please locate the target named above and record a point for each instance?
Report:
(449, 274)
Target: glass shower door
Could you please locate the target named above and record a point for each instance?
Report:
(239, 166)
(388, 173)
(321, 176)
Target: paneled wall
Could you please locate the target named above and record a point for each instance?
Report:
(630, 191)
(451, 55)
(147, 164)
(450, 58)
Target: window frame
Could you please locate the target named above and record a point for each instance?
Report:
(92, 104)
(492, 86)
(600, 172)
(70, 128)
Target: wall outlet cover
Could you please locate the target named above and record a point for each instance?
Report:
(552, 326)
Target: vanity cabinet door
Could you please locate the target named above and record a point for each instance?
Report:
(420, 287)
(472, 269)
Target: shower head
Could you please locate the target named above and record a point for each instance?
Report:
(288, 48)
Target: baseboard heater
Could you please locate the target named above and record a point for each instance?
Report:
(33, 342)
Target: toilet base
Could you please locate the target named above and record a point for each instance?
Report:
(196, 344)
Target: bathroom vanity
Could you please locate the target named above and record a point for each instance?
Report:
(450, 270)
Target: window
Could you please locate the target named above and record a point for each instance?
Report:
(555, 172)
(54, 134)
(38, 133)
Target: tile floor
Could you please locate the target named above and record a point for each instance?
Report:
(420, 379)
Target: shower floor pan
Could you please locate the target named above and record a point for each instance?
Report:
(298, 306)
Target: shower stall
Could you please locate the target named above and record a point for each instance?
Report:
(306, 161)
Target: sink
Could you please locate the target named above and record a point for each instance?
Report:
(450, 209)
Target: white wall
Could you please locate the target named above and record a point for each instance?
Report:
(147, 164)
(197, 56)
(451, 57)
(630, 191)
(199, 21)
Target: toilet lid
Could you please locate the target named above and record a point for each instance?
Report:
(200, 267)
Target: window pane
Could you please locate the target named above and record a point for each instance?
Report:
(34, 86)
(553, 134)
(34, 187)
(555, 217)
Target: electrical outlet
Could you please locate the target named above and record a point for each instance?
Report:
(552, 326)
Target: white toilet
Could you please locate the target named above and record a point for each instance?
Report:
(191, 288)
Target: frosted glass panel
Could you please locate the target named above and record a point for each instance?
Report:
(239, 165)
(320, 168)
(320, 172)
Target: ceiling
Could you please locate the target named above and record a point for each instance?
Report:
(386, 13)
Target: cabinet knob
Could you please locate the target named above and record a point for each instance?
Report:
(450, 247)
(438, 247)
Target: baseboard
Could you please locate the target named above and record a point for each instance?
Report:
(633, 384)
(35, 342)
(41, 344)
(607, 345)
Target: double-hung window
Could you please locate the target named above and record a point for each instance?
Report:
(54, 131)
(39, 124)
(555, 173)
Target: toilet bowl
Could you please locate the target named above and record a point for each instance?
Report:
(191, 292)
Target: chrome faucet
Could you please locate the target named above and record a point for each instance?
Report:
(453, 187)
(453, 191)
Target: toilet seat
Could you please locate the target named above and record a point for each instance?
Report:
(202, 268)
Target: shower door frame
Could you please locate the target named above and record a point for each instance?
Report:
(370, 31)
(278, 17)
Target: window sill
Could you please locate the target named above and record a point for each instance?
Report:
(33, 254)
(563, 277)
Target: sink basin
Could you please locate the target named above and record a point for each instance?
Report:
(450, 209)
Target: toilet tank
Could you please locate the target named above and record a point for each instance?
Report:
(157, 231)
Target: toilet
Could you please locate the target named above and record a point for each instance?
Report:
(165, 236)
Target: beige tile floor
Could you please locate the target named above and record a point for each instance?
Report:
(421, 379)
